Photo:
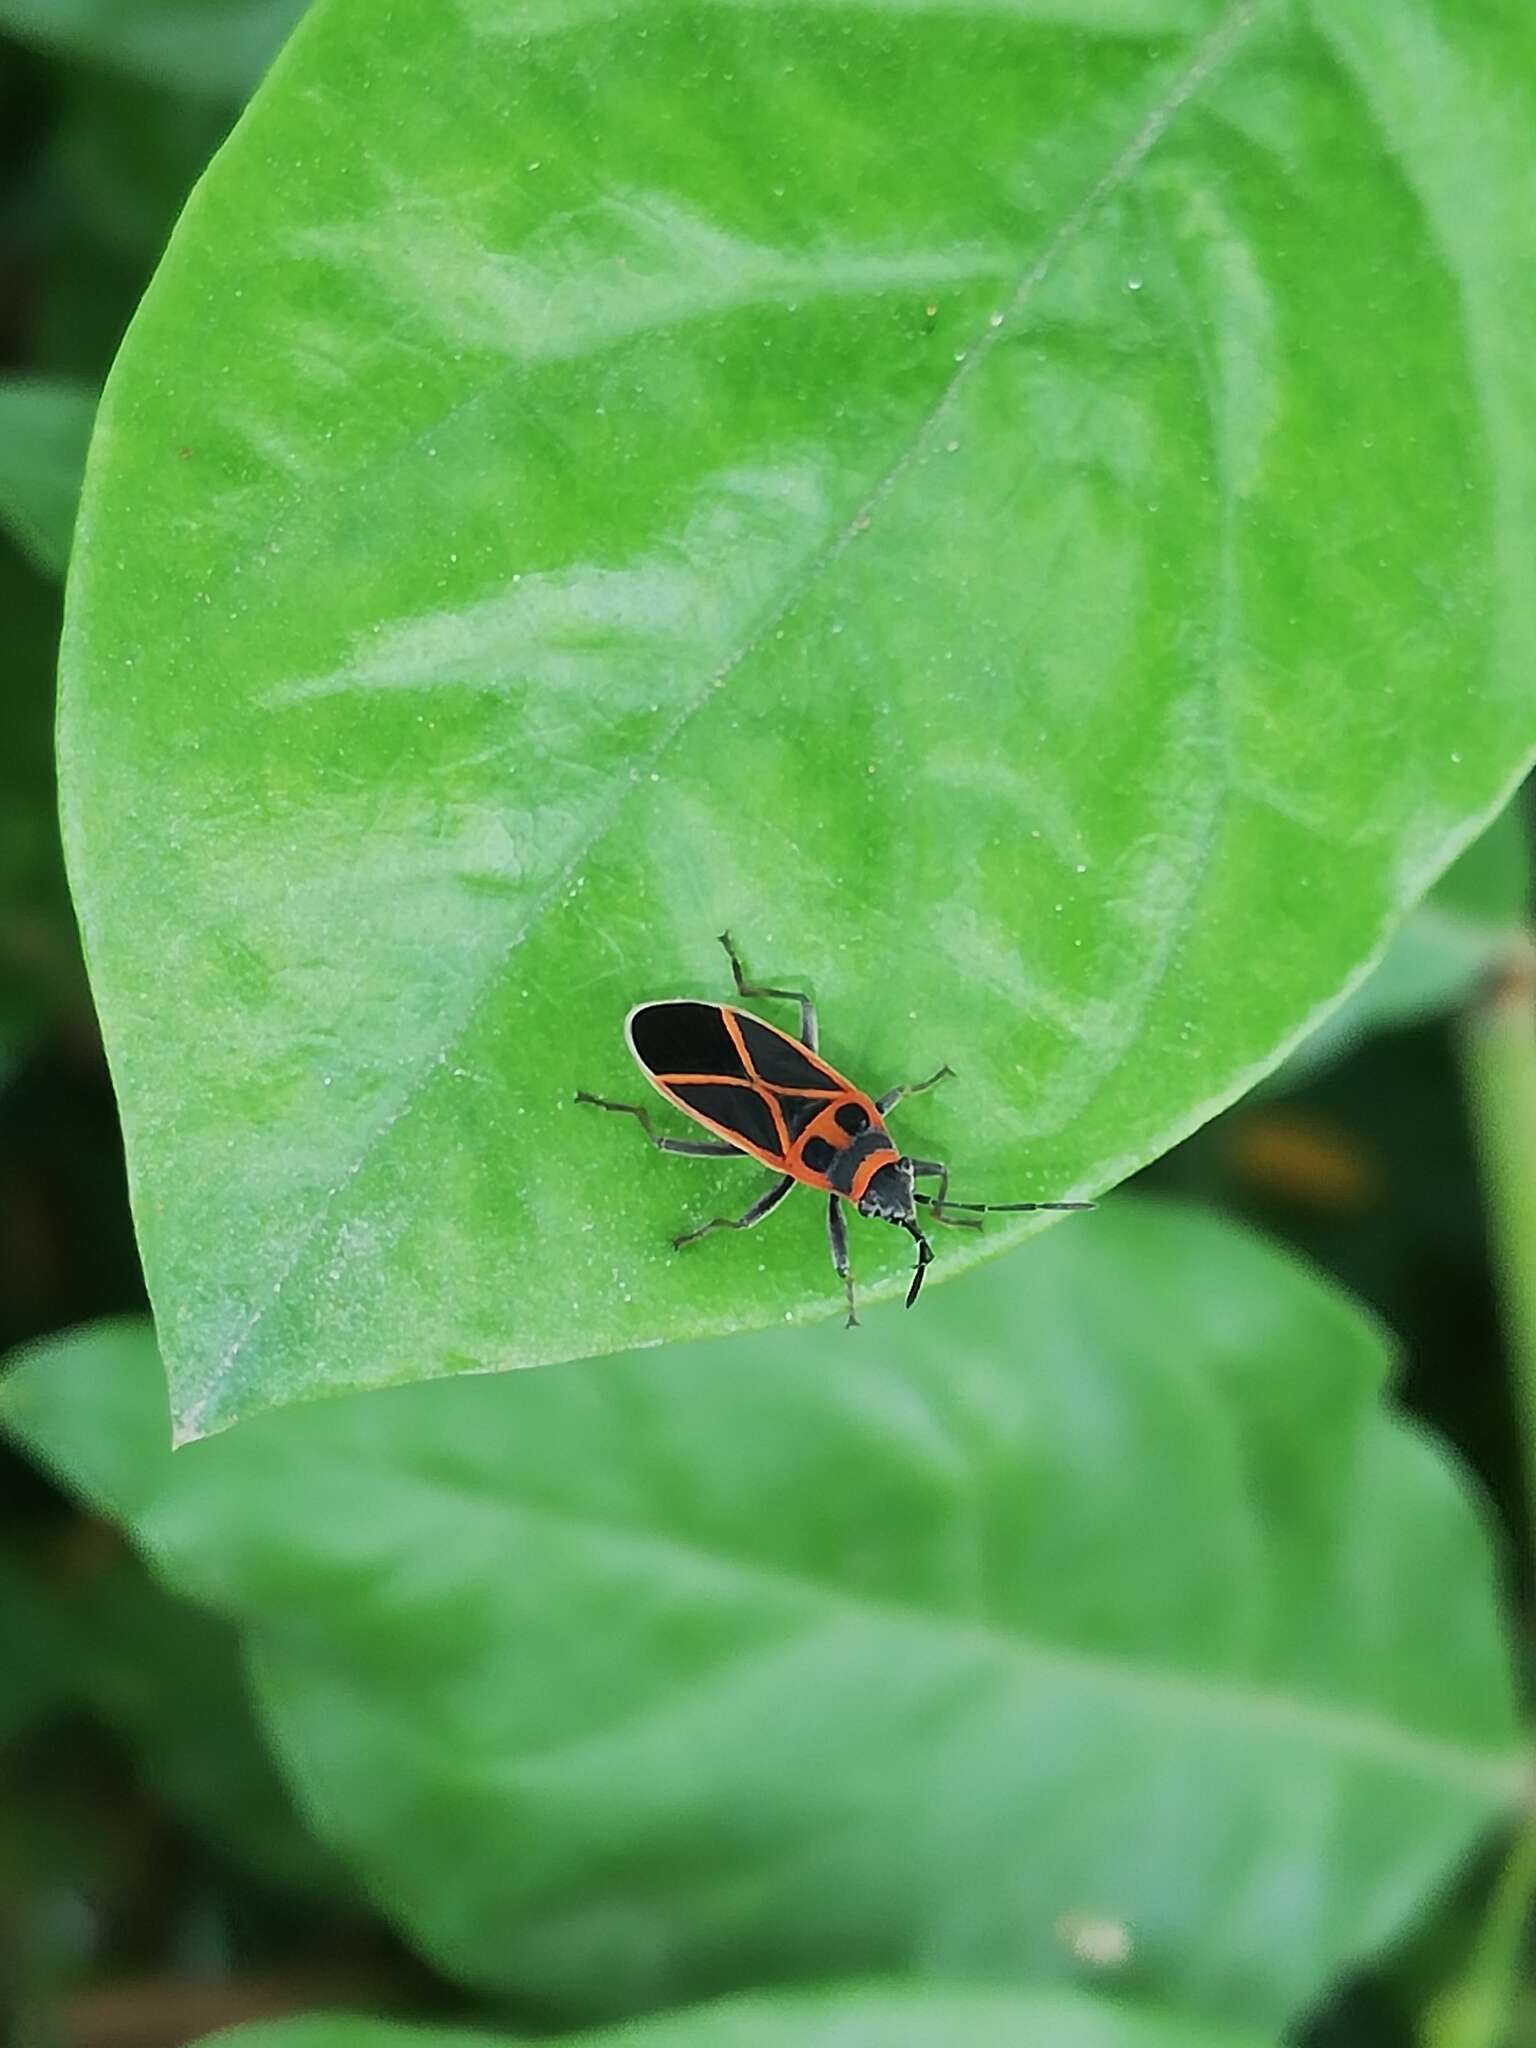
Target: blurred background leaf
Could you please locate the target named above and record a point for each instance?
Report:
(218, 48)
(31, 1675)
(1454, 937)
(784, 1657)
(45, 425)
(141, 1803)
(40, 977)
(866, 2017)
(167, 1681)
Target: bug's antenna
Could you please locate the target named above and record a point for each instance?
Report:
(1001, 1208)
(924, 1255)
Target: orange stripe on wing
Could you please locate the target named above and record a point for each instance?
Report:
(734, 1031)
(775, 1160)
(708, 1081)
(760, 1086)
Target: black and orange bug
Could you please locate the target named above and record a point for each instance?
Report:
(773, 1098)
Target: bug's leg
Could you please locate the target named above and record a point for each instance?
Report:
(930, 1169)
(939, 1205)
(837, 1237)
(892, 1096)
(691, 1148)
(924, 1261)
(763, 1206)
(784, 995)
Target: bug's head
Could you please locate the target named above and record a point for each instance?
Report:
(889, 1199)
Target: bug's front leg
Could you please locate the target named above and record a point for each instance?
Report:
(892, 1096)
(837, 1237)
(783, 995)
(765, 1204)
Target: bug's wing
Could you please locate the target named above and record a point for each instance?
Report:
(684, 1038)
(741, 1114)
(804, 1088)
(783, 1062)
(687, 1052)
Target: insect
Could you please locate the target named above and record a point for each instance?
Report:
(773, 1098)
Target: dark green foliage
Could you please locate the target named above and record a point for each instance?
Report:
(1026, 513)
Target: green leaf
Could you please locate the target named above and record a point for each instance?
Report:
(1104, 1596)
(45, 427)
(216, 47)
(1450, 942)
(865, 2017)
(527, 542)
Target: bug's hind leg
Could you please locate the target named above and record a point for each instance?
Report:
(837, 1237)
(765, 1204)
(691, 1148)
(892, 1096)
(783, 995)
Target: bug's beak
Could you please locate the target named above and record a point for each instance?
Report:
(924, 1255)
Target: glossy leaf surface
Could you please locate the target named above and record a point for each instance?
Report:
(688, 487)
(1105, 1594)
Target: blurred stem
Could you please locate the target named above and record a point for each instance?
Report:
(1499, 1060)
(1499, 1055)
(1480, 2012)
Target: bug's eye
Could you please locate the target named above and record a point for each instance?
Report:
(853, 1119)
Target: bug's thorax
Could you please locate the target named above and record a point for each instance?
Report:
(856, 1160)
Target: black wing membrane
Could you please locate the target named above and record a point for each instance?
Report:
(800, 1110)
(781, 1061)
(684, 1038)
(741, 1111)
